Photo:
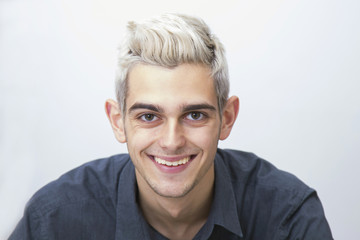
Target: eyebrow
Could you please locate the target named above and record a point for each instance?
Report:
(151, 107)
(192, 107)
(185, 108)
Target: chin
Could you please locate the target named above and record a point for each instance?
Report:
(170, 192)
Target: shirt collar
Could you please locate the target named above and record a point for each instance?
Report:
(224, 208)
(130, 223)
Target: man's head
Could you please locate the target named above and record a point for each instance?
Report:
(168, 41)
(173, 107)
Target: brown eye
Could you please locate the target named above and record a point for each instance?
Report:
(148, 117)
(195, 116)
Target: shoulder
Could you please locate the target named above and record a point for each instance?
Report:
(93, 180)
(248, 169)
(81, 199)
(258, 179)
(277, 200)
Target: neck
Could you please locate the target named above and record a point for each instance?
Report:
(178, 218)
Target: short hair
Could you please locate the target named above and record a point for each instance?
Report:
(168, 41)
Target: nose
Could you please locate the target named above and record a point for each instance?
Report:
(172, 136)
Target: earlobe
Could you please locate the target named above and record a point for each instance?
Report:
(229, 116)
(114, 115)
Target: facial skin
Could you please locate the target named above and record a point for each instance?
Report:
(172, 118)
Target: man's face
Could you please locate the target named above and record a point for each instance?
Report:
(172, 126)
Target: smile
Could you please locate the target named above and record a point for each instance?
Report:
(172, 163)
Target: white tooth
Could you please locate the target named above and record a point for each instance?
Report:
(176, 163)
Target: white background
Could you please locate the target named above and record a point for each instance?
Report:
(294, 65)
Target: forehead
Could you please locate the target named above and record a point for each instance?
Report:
(184, 84)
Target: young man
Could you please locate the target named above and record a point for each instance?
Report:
(172, 108)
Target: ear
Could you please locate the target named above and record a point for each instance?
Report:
(229, 116)
(114, 115)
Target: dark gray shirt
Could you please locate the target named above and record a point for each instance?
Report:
(252, 200)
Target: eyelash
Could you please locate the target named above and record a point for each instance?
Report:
(202, 116)
(187, 116)
(142, 117)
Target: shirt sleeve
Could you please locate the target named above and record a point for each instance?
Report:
(28, 228)
(306, 222)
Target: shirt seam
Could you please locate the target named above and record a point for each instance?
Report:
(282, 226)
(36, 215)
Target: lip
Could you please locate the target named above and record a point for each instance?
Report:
(172, 169)
(172, 158)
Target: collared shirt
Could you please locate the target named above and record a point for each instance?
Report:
(252, 200)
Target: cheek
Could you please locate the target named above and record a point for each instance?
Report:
(206, 137)
(139, 139)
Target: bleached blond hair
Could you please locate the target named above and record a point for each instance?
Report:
(168, 41)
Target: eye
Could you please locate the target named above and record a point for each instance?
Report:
(148, 117)
(195, 116)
